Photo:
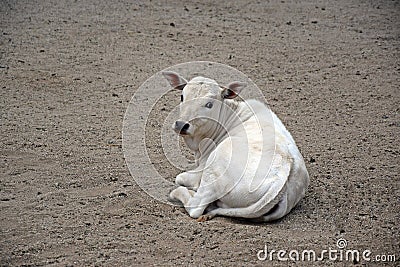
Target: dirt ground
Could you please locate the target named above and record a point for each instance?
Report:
(68, 69)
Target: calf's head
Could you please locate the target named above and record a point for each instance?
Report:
(203, 103)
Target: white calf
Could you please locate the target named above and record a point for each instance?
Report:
(248, 163)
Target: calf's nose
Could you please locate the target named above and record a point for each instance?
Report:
(181, 127)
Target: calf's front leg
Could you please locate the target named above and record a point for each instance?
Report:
(181, 194)
(189, 179)
(194, 202)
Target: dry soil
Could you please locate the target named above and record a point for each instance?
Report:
(68, 69)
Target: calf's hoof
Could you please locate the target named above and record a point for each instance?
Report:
(204, 218)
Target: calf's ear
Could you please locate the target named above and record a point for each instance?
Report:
(233, 90)
(174, 79)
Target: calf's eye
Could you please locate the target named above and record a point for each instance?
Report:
(209, 105)
(181, 98)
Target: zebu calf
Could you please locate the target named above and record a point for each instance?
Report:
(248, 163)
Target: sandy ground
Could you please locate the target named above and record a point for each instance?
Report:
(68, 69)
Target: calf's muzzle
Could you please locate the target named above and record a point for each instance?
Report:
(181, 127)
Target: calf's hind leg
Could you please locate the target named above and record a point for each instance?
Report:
(279, 210)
